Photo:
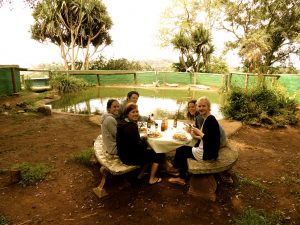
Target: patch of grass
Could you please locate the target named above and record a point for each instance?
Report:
(257, 217)
(4, 220)
(2, 171)
(84, 157)
(255, 183)
(32, 173)
(290, 179)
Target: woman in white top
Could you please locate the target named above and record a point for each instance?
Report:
(109, 126)
(209, 136)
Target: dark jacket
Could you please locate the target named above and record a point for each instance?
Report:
(211, 138)
(132, 149)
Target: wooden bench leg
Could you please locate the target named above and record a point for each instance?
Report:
(100, 191)
(203, 186)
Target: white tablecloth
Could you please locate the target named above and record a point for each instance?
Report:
(167, 143)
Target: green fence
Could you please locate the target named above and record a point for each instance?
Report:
(113, 77)
(9, 79)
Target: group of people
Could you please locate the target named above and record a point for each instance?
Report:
(121, 136)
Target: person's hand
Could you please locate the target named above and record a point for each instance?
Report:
(196, 133)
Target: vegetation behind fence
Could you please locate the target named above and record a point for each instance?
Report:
(290, 82)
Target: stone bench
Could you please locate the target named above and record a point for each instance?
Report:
(110, 164)
(203, 182)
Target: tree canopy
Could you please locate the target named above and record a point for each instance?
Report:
(266, 31)
(184, 29)
(76, 26)
(195, 47)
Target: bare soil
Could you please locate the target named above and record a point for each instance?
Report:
(268, 157)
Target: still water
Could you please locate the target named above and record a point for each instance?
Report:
(160, 102)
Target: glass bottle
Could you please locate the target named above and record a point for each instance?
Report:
(149, 122)
(175, 122)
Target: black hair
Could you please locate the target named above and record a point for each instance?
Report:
(110, 102)
(129, 94)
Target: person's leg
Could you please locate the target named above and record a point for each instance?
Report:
(142, 172)
(153, 179)
(180, 161)
(156, 159)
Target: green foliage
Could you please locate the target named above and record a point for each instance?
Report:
(266, 31)
(74, 26)
(260, 106)
(218, 65)
(84, 157)
(195, 47)
(32, 173)
(118, 64)
(4, 220)
(257, 217)
(66, 84)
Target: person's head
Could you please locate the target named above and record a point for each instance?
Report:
(133, 96)
(203, 106)
(113, 106)
(131, 111)
(191, 109)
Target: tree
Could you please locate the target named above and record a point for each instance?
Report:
(266, 31)
(119, 64)
(76, 26)
(195, 49)
(186, 15)
(191, 24)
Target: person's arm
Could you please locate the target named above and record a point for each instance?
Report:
(211, 139)
(112, 126)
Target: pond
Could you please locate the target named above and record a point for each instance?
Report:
(160, 102)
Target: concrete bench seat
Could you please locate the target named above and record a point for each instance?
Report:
(227, 158)
(110, 164)
(202, 182)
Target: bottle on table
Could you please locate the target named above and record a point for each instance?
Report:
(149, 122)
(175, 122)
(152, 118)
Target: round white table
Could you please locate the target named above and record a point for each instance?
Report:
(166, 143)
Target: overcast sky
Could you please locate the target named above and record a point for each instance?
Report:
(134, 34)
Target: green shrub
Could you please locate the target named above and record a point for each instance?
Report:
(32, 173)
(66, 84)
(260, 106)
(257, 217)
(4, 220)
(84, 157)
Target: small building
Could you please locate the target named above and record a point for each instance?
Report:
(10, 82)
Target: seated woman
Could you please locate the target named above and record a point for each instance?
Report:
(192, 111)
(132, 149)
(109, 126)
(209, 136)
(132, 96)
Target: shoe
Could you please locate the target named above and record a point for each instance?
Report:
(227, 179)
(173, 171)
(177, 180)
(157, 180)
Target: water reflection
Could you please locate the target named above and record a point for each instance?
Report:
(148, 103)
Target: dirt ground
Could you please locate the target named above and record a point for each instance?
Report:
(267, 157)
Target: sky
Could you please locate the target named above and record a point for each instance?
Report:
(134, 34)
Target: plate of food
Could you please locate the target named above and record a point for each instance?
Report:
(180, 137)
(143, 129)
(154, 134)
